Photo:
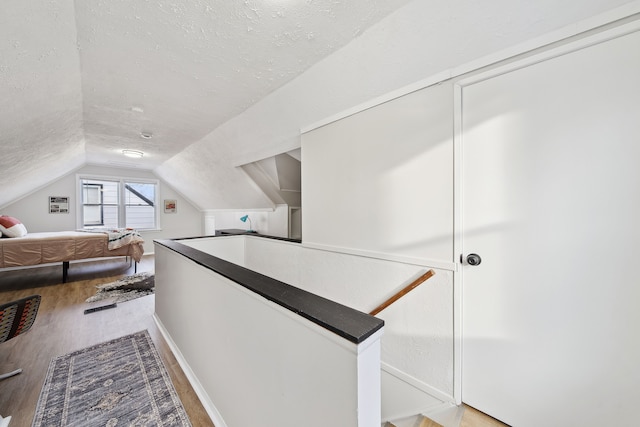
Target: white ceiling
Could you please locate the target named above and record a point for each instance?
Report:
(223, 83)
(80, 81)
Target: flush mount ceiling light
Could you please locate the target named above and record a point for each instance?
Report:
(146, 135)
(133, 153)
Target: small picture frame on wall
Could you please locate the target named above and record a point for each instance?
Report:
(170, 206)
(58, 205)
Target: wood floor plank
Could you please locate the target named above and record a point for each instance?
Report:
(62, 327)
(474, 418)
(427, 422)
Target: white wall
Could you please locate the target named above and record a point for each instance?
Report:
(228, 248)
(378, 220)
(33, 210)
(418, 338)
(257, 363)
(417, 346)
(271, 222)
(389, 192)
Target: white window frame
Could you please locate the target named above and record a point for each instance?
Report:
(121, 196)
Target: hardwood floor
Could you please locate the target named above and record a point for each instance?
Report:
(462, 416)
(61, 327)
(474, 418)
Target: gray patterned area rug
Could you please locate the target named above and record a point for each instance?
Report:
(125, 289)
(122, 382)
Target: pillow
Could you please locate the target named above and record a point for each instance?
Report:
(12, 227)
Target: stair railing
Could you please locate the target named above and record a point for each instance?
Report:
(403, 292)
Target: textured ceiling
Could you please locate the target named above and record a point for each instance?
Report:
(84, 79)
(180, 68)
(40, 98)
(219, 83)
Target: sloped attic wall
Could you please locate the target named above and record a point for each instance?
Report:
(279, 177)
(420, 40)
(40, 121)
(86, 79)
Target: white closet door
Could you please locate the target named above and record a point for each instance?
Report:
(551, 204)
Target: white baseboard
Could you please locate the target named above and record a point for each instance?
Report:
(420, 385)
(211, 409)
(404, 396)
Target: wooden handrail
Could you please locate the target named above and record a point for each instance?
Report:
(403, 292)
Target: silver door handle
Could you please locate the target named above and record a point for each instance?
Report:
(472, 259)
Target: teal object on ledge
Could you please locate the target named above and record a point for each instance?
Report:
(245, 219)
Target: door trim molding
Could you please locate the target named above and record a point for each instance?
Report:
(457, 243)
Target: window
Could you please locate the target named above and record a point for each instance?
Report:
(140, 205)
(93, 208)
(118, 203)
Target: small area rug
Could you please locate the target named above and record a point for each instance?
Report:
(122, 382)
(125, 289)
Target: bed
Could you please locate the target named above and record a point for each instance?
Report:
(64, 246)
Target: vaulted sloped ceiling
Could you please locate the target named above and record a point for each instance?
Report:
(217, 85)
(80, 81)
(41, 134)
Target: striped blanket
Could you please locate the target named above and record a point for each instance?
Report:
(120, 237)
